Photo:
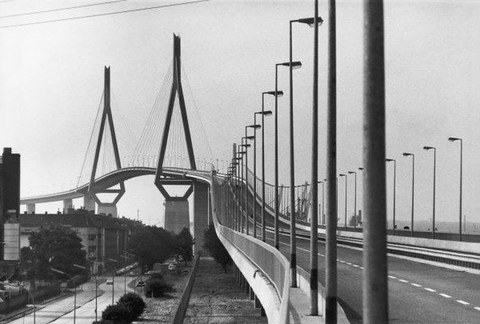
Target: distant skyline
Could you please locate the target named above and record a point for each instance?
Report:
(51, 81)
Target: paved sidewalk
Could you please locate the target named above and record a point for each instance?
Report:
(217, 298)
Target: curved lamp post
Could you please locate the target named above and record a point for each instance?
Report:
(277, 93)
(413, 190)
(434, 149)
(454, 139)
(394, 190)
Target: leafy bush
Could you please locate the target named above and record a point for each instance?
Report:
(156, 286)
(134, 304)
(117, 312)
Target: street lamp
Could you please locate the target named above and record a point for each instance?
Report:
(434, 149)
(96, 287)
(245, 179)
(413, 190)
(113, 280)
(346, 193)
(255, 171)
(74, 291)
(276, 236)
(246, 174)
(238, 187)
(277, 94)
(453, 139)
(394, 189)
(355, 201)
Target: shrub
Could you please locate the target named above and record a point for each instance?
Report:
(157, 287)
(134, 304)
(117, 312)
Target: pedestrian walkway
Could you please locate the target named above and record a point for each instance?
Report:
(217, 298)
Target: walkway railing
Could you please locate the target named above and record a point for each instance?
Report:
(262, 258)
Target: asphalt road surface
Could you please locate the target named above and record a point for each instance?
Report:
(61, 311)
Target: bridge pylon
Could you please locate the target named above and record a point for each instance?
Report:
(200, 191)
(93, 191)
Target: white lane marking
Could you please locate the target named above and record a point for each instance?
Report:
(462, 302)
(445, 295)
(430, 289)
(403, 280)
(392, 277)
(354, 265)
(361, 268)
(349, 263)
(415, 284)
(477, 308)
(342, 261)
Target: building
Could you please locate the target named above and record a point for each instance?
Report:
(9, 211)
(104, 238)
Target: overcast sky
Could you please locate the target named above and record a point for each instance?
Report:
(51, 82)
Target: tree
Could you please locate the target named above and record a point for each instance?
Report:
(151, 244)
(184, 245)
(57, 247)
(117, 312)
(215, 247)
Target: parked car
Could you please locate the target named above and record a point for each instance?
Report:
(140, 284)
(109, 282)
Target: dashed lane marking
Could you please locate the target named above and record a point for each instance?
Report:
(392, 277)
(462, 302)
(403, 280)
(445, 295)
(415, 284)
(477, 308)
(430, 289)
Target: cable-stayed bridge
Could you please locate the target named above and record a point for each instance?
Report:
(424, 282)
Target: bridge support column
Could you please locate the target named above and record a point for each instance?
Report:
(88, 203)
(257, 302)
(176, 214)
(31, 208)
(67, 204)
(200, 213)
(108, 209)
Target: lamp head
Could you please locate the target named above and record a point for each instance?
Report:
(342, 175)
(254, 127)
(273, 93)
(295, 64)
(428, 148)
(407, 154)
(390, 160)
(310, 21)
(351, 172)
(453, 139)
(267, 112)
(360, 168)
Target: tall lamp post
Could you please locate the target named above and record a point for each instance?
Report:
(246, 183)
(394, 190)
(74, 292)
(355, 201)
(434, 149)
(96, 287)
(113, 280)
(346, 193)
(255, 169)
(276, 94)
(453, 139)
(413, 191)
(276, 235)
(245, 145)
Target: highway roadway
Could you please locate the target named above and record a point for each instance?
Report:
(418, 292)
(61, 311)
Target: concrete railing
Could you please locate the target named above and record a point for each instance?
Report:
(264, 267)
